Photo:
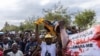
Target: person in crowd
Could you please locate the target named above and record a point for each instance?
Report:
(69, 30)
(21, 35)
(26, 37)
(11, 40)
(48, 47)
(74, 30)
(5, 44)
(31, 46)
(15, 51)
(20, 43)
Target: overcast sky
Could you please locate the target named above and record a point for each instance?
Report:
(16, 11)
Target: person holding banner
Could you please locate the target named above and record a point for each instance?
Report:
(86, 43)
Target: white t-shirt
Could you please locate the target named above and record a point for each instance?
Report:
(5, 46)
(19, 53)
(50, 48)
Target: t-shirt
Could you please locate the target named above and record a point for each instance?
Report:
(5, 46)
(19, 53)
(30, 46)
(50, 48)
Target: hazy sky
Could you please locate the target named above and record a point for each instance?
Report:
(16, 11)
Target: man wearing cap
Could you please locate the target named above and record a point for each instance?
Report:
(47, 47)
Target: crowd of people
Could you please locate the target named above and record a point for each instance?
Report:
(28, 44)
(20, 43)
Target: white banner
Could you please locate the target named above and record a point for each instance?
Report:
(86, 43)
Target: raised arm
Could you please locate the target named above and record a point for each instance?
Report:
(63, 34)
(37, 35)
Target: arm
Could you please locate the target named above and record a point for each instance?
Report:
(58, 41)
(63, 34)
(36, 52)
(37, 35)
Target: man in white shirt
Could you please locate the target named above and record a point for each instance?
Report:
(6, 44)
(48, 48)
(15, 51)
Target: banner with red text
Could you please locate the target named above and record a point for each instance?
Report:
(86, 43)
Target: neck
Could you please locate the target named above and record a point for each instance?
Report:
(48, 43)
(5, 43)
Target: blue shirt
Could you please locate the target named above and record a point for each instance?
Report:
(31, 46)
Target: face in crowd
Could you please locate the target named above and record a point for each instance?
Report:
(18, 39)
(48, 41)
(14, 48)
(5, 40)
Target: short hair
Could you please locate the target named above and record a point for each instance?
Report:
(15, 44)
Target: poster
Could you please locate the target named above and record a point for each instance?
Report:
(86, 43)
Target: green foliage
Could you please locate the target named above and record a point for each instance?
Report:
(8, 27)
(85, 18)
(27, 25)
(57, 13)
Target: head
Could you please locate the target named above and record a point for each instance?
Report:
(48, 39)
(68, 27)
(17, 39)
(5, 40)
(14, 47)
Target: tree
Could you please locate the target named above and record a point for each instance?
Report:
(27, 24)
(8, 27)
(58, 12)
(85, 19)
(21, 27)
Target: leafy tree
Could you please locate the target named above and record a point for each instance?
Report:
(85, 19)
(59, 12)
(27, 24)
(8, 27)
(21, 27)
